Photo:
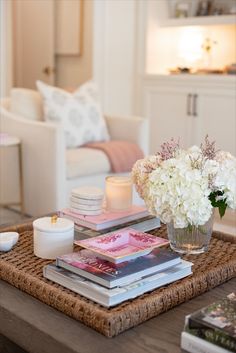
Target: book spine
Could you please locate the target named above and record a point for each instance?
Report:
(78, 287)
(214, 336)
(104, 225)
(211, 334)
(85, 273)
(78, 222)
(193, 344)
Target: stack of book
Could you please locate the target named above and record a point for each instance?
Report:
(116, 267)
(91, 226)
(212, 329)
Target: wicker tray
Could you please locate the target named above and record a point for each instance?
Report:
(23, 270)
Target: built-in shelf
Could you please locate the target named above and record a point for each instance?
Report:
(206, 80)
(199, 21)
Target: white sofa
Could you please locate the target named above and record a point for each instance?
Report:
(50, 170)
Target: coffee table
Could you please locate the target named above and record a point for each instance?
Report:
(37, 328)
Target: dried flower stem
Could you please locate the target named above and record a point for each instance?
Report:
(208, 148)
(168, 149)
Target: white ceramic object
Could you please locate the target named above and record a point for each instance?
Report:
(86, 202)
(88, 193)
(53, 238)
(8, 240)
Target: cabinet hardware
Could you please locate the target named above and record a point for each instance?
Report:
(48, 70)
(195, 97)
(189, 99)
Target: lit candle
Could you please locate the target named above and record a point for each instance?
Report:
(118, 193)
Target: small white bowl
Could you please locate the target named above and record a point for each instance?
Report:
(8, 240)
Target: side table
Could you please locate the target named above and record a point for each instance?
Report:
(7, 141)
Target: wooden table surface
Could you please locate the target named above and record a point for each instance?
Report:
(38, 328)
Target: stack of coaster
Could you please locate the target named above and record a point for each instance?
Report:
(87, 200)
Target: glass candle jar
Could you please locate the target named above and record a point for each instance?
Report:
(119, 191)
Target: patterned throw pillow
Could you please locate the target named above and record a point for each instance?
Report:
(79, 113)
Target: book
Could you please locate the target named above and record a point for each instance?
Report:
(213, 336)
(143, 224)
(110, 297)
(110, 275)
(105, 220)
(216, 323)
(193, 344)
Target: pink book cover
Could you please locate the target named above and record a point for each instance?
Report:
(106, 217)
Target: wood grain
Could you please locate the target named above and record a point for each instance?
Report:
(38, 328)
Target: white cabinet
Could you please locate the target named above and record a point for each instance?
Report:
(189, 107)
(167, 109)
(216, 116)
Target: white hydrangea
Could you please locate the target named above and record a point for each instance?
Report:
(179, 193)
(225, 180)
(177, 183)
(141, 170)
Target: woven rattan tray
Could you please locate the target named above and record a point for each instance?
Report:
(23, 270)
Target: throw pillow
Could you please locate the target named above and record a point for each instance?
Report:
(79, 113)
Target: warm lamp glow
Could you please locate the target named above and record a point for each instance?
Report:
(171, 47)
(190, 44)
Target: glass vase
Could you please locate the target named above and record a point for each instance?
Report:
(192, 239)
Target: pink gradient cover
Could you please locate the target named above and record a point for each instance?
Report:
(106, 216)
(122, 245)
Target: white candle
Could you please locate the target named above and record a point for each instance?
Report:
(118, 193)
(53, 237)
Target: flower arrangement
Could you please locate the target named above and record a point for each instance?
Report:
(183, 186)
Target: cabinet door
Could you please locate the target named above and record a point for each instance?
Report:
(34, 42)
(216, 116)
(167, 110)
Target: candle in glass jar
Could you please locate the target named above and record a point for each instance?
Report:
(118, 193)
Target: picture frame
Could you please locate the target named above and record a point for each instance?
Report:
(219, 8)
(204, 8)
(69, 27)
(182, 9)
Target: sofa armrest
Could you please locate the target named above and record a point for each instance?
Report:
(133, 129)
(5, 103)
(44, 164)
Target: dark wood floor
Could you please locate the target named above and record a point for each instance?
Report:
(7, 346)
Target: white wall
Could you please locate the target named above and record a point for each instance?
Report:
(114, 59)
(5, 47)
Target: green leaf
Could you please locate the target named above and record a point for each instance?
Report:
(222, 209)
(221, 204)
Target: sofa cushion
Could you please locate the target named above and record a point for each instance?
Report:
(26, 103)
(85, 161)
(79, 113)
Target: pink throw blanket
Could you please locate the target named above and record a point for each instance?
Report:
(121, 154)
